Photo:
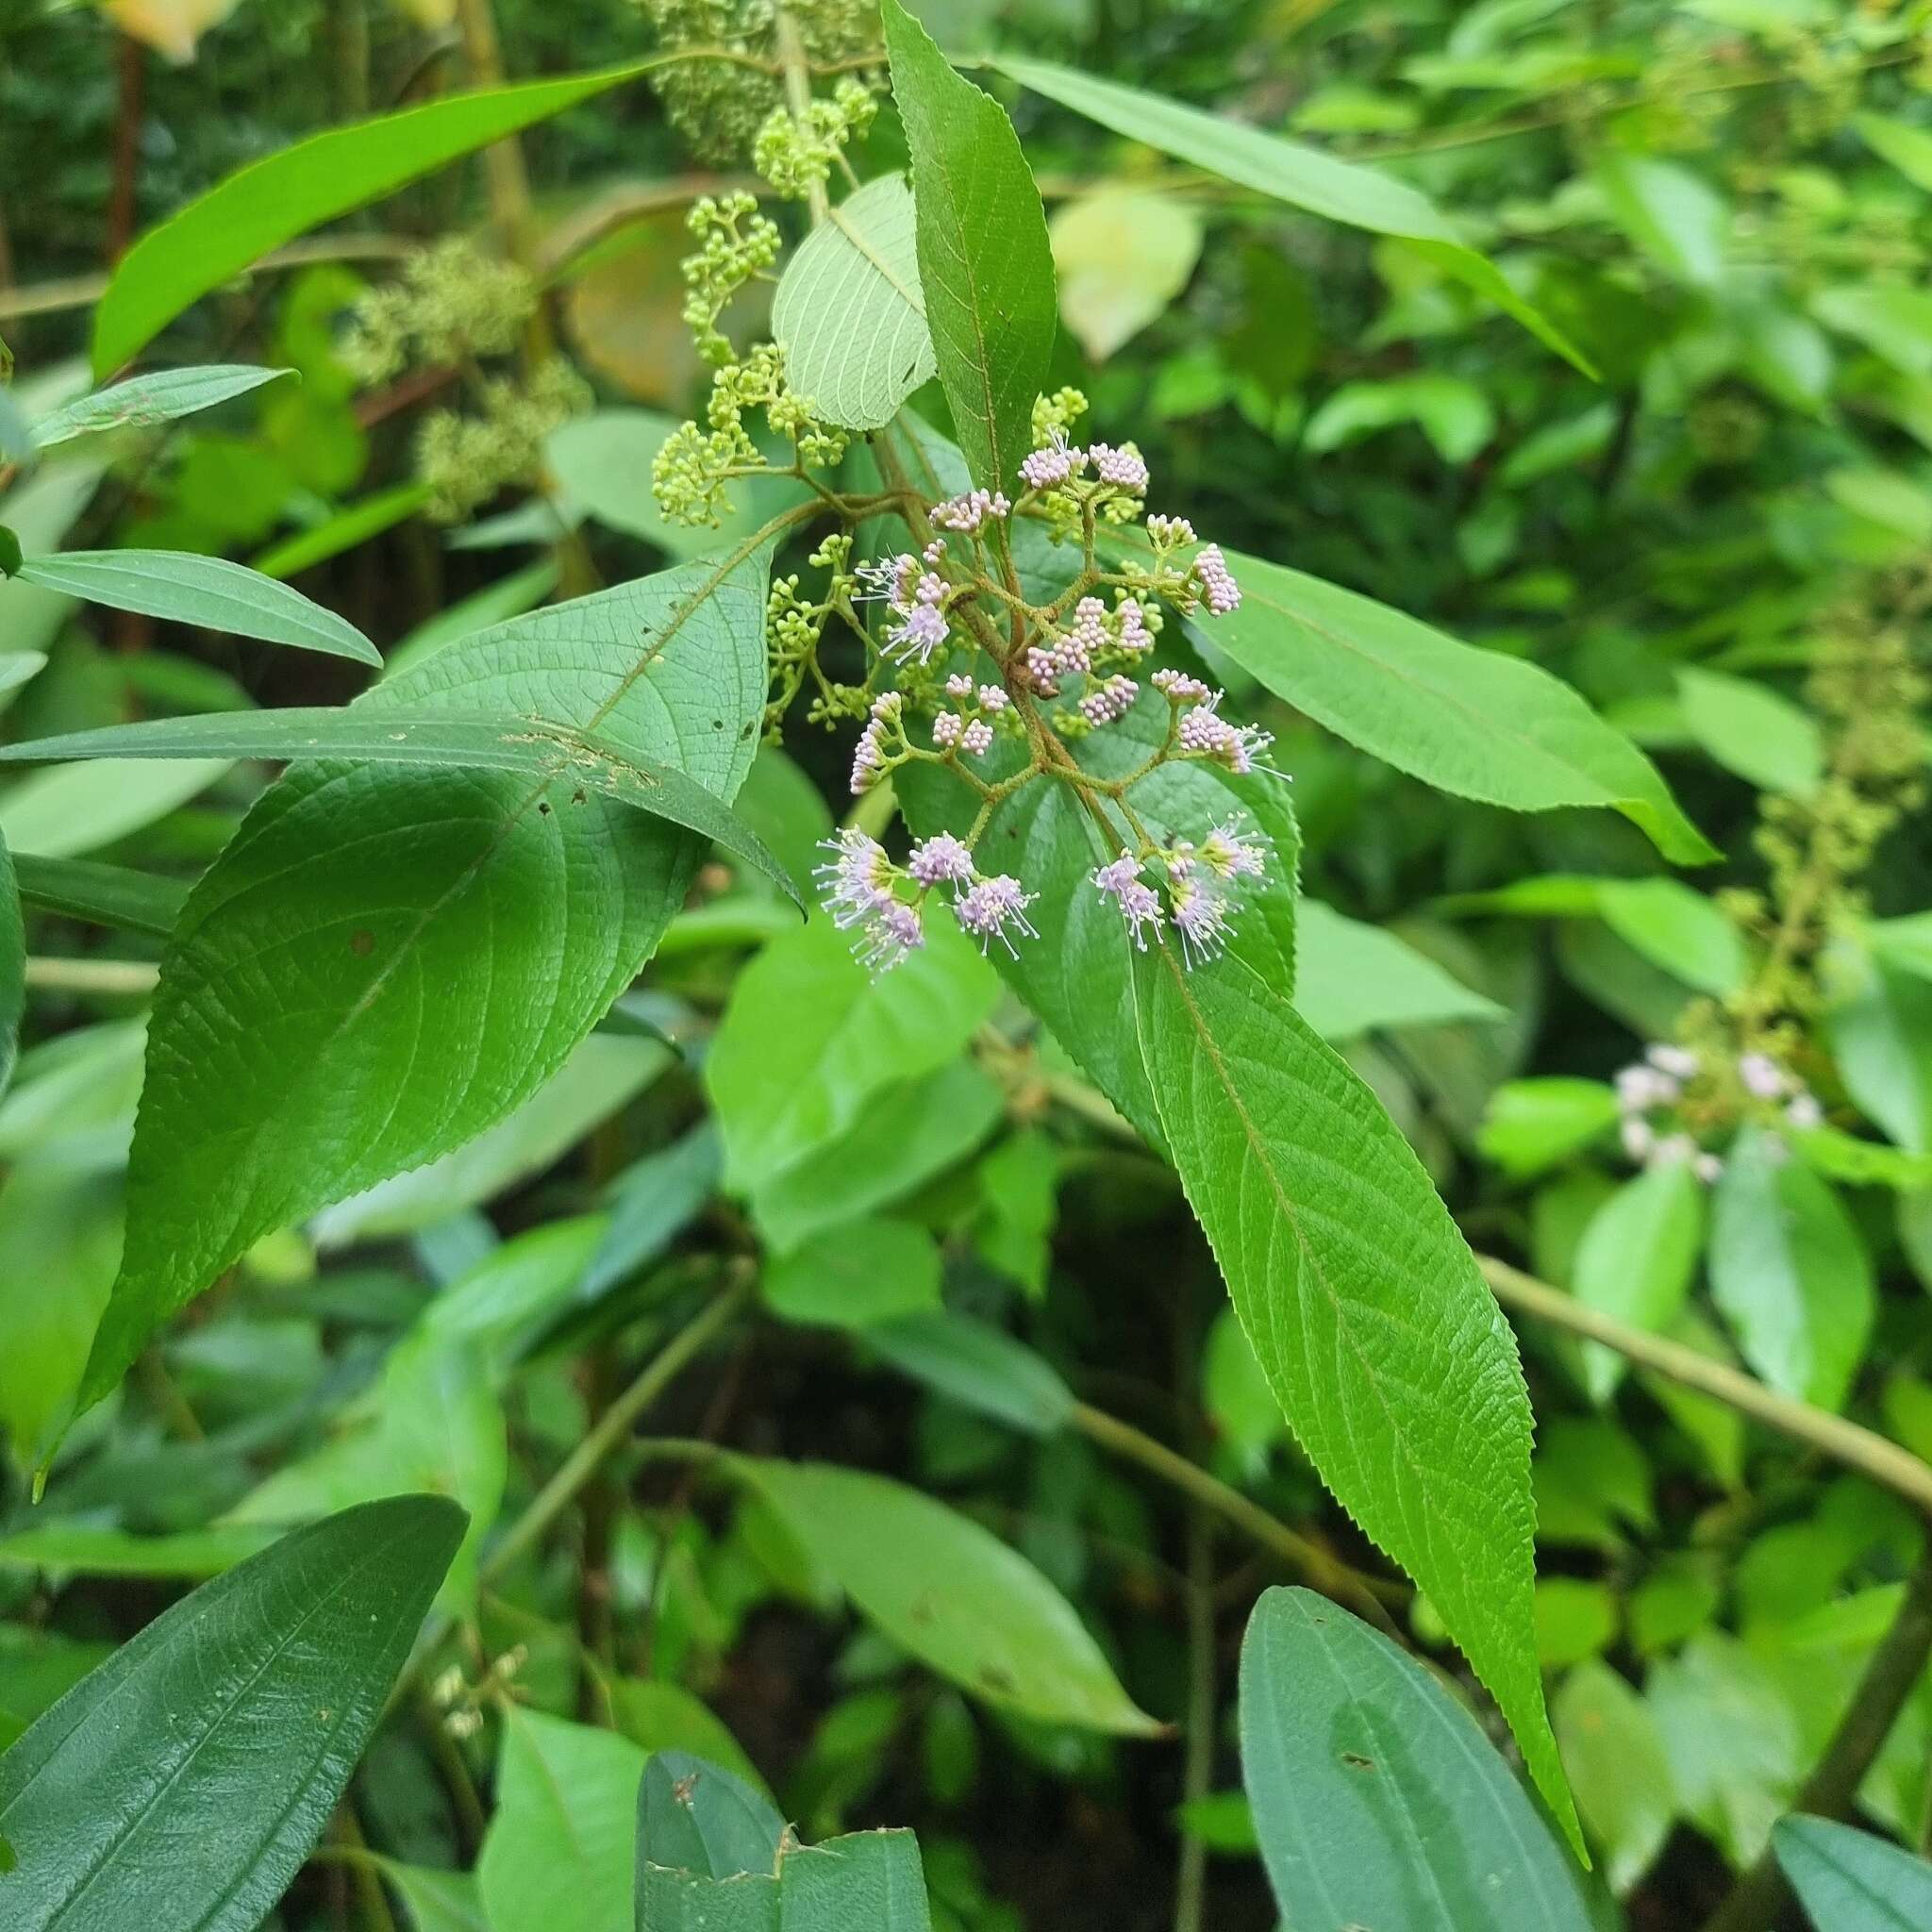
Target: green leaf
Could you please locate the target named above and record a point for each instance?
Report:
(83, 808)
(868, 1881)
(144, 401)
(1353, 978)
(1470, 722)
(436, 1900)
(1675, 216)
(564, 1827)
(1907, 148)
(1891, 318)
(1377, 1800)
(184, 1782)
(657, 1715)
(1848, 1880)
(1390, 1359)
(849, 312)
(59, 1246)
(10, 561)
(1880, 1028)
(208, 592)
(1748, 729)
(1617, 1768)
(1533, 1125)
(39, 512)
(547, 752)
(1905, 942)
(353, 525)
(79, 1549)
(811, 1040)
(980, 1367)
(984, 264)
(904, 1137)
(284, 194)
(13, 967)
(696, 1817)
(1456, 417)
(599, 1079)
(432, 1422)
(1124, 254)
(1791, 1272)
(949, 1591)
(111, 896)
(857, 1272)
(1301, 176)
(366, 917)
(1637, 1260)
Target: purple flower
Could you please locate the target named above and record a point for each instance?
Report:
(993, 697)
(1219, 591)
(921, 633)
(1123, 468)
(1763, 1079)
(1043, 670)
(1201, 912)
(969, 511)
(1179, 689)
(1057, 463)
(1230, 853)
(858, 878)
(940, 857)
(958, 686)
(1170, 532)
(1642, 1086)
(976, 740)
(867, 755)
(1135, 636)
(890, 579)
(1680, 1062)
(987, 908)
(945, 729)
(1113, 700)
(1138, 902)
(894, 931)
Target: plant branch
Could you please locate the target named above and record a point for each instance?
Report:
(1762, 1897)
(1845, 1443)
(1332, 1578)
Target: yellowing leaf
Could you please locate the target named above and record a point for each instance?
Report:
(1124, 254)
(172, 26)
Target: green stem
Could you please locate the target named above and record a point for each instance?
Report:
(1762, 1897)
(1191, 1884)
(1843, 1441)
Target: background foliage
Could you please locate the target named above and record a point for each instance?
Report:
(894, 1286)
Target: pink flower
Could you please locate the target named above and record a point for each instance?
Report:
(987, 908)
(1138, 902)
(1219, 591)
(1113, 700)
(1230, 853)
(1123, 468)
(1201, 912)
(940, 857)
(976, 740)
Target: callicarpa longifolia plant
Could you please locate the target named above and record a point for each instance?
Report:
(758, 1248)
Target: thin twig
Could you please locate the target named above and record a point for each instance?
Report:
(1762, 1897)
(1332, 1578)
(1844, 1442)
(112, 976)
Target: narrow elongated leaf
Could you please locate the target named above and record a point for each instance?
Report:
(1791, 1272)
(985, 264)
(13, 967)
(210, 591)
(1466, 720)
(1390, 1359)
(112, 896)
(850, 314)
(1377, 1800)
(564, 1829)
(531, 747)
(949, 1591)
(1848, 1880)
(977, 1366)
(144, 401)
(183, 1782)
(1301, 176)
(369, 917)
(288, 192)
(81, 808)
(81, 1550)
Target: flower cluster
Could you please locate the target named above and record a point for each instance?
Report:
(912, 588)
(1196, 888)
(465, 458)
(451, 304)
(1677, 1101)
(883, 904)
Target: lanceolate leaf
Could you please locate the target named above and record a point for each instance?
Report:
(849, 312)
(949, 1591)
(984, 259)
(531, 747)
(386, 961)
(288, 192)
(206, 590)
(98, 894)
(144, 401)
(1377, 1800)
(1466, 720)
(1388, 1355)
(13, 967)
(1301, 176)
(1850, 1881)
(183, 1782)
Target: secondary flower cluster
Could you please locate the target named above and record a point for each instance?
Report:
(1675, 1099)
(883, 904)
